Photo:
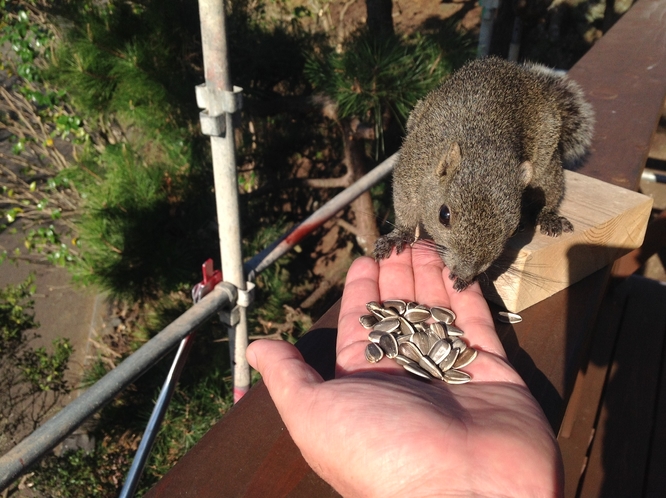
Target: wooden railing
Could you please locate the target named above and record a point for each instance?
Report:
(250, 453)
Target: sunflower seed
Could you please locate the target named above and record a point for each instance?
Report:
(431, 367)
(374, 306)
(453, 331)
(439, 350)
(404, 338)
(390, 346)
(373, 353)
(387, 324)
(397, 304)
(459, 343)
(443, 314)
(466, 357)
(417, 315)
(420, 327)
(421, 340)
(367, 321)
(403, 360)
(454, 376)
(447, 363)
(508, 317)
(410, 350)
(439, 329)
(375, 335)
(417, 370)
(401, 331)
(406, 327)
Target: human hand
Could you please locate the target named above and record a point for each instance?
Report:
(375, 430)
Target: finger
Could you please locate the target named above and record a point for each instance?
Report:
(428, 279)
(473, 316)
(361, 286)
(288, 378)
(396, 276)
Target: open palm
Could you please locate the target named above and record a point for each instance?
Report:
(375, 430)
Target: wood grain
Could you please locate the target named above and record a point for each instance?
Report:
(608, 220)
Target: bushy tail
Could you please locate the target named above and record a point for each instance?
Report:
(576, 113)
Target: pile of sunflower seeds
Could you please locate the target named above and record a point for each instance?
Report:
(423, 340)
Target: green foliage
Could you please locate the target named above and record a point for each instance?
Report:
(139, 224)
(46, 371)
(16, 316)
(200, 399)
(31, 379)
(373, 76)
(27, 39)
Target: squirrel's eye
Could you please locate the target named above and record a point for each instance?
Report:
(444, 215)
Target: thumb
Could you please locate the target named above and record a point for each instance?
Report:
(288, 378)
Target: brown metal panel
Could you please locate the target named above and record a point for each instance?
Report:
(624, 77)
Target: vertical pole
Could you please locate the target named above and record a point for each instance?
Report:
(488, 13)
(216, 67)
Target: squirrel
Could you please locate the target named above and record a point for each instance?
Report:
(483, 152)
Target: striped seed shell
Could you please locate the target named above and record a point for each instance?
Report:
(439, 329)
(397, 304)
(387, 324)
(421, 341)
(454, 376)
(367, 320)
(420, 327)
(466, 357)
(406, 327)
(404, 338)
(375, 335)
(416, 315)
(443, 314)
(453, 331)
(417, 370)
(410, 350)
(447, 363)
(403, 360)
(459, 343)
(431, 367)
(390, 346)
(439, 350)
(373, 353)
(508, 317)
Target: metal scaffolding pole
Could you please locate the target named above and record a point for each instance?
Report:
(220, 100)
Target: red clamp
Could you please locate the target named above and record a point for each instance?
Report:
(210, 279)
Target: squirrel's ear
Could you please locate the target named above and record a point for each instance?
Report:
(449, 161)
(525, 171)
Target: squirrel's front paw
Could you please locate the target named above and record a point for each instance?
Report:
(553, 225)
(385, 244)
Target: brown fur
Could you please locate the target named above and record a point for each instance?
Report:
(490, 135)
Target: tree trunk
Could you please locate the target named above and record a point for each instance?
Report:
(379, 17)
(364, 214)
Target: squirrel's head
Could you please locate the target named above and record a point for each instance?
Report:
(475, 208)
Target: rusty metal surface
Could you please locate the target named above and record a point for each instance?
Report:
(624, 75)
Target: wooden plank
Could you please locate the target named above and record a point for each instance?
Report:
(623, 78)
(579, 422)
(619, 456)
(655, 486)
(608, 221)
